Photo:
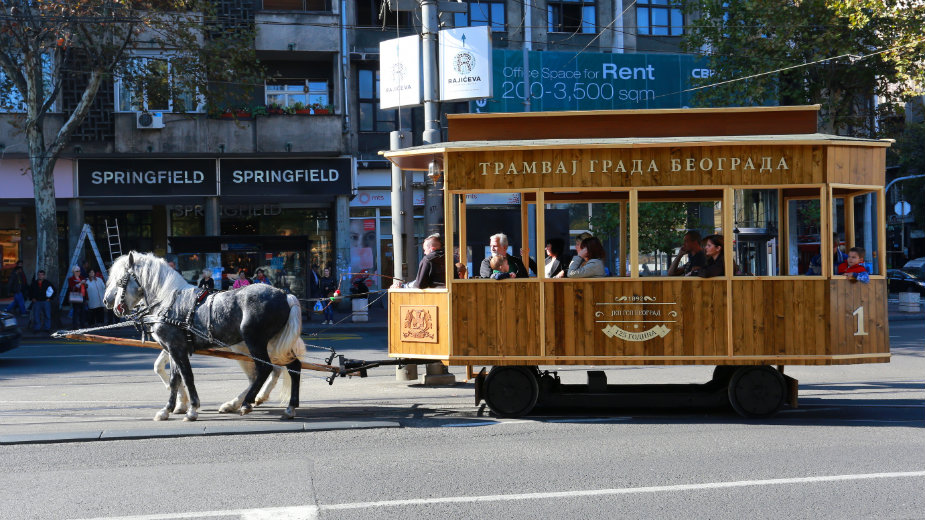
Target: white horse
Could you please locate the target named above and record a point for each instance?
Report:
(260, 319)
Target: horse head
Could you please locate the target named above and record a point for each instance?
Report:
(123, 290)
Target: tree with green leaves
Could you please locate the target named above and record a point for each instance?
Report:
(43, 42)
(798, 53)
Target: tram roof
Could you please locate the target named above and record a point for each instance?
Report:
(418, 158)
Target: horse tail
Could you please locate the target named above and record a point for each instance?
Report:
(287, 344)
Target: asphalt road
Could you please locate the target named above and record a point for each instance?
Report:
(853, 449)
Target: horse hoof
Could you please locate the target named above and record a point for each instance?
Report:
(246, 409)
(288, 413)
(162, 415)
(228, 407)
(192, 415)
(259, 401)
(180, 409)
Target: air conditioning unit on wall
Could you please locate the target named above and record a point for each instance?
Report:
(149, 120)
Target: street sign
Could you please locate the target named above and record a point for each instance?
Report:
(902, 208)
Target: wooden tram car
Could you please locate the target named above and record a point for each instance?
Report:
(749, 326)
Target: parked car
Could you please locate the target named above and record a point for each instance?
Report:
(9, 332)
(916, 267)
(900, 280)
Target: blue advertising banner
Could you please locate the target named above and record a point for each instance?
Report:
(591, 81)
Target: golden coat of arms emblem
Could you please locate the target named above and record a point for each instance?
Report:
(419, 323)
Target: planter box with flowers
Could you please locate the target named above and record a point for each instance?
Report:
(321, 110)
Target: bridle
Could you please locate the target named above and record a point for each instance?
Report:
(122, 284)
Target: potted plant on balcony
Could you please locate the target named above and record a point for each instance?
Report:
(301, 109)
(275, 109)
(259, 110)
(320, 110)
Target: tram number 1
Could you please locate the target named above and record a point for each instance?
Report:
(859, 313)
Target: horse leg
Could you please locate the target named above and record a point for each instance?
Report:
(235, 404)
(263, 368)
(295, 377)
(175, 382)
(160, 369)
(181, 360)
(264, 394)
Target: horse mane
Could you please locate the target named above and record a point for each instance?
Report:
(158, 279)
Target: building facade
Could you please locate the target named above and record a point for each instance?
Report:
(295, 182)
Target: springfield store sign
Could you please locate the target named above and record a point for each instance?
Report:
(207, 177)
(298, 176)
(146, 177)
(591, 81)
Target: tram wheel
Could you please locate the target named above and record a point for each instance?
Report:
(511, 391)
(757, 391)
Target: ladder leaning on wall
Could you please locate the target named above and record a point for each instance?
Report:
(115, 243)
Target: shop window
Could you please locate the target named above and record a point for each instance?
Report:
(480, 13)
(372, 118)
(376, 13)
(660, 18)
(156, 85)
(287, 92)
(296, 5)
(571, 16)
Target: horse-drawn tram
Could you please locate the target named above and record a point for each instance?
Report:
(791, 270)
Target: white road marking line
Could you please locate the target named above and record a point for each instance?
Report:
(275, 513)
(621, 491)
(310, 512)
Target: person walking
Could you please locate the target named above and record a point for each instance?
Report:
(17, 286)
(242, 280)
(96, 289)
(41, 291)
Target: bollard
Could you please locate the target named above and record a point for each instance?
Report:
(406, 373)
(908, 302)
(437, 375)
(360, 310)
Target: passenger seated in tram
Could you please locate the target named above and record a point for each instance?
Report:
(854, 267)
(500, 270)
(696, 258)
(588, 263)
(462, 272)
(498, 244)
(553, 261)
(431, 270)
(839, 257)
(715, 266)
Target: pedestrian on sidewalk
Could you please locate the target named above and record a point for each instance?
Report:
(328, 285)
(77, 297)
(242, 280)
(96, 289)
(42, 291)
(17, 286)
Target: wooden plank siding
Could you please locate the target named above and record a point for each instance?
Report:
(494, 319)
(846, 297)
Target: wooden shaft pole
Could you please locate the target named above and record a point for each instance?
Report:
(208, 352)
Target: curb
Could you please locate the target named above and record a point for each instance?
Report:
(191, 431)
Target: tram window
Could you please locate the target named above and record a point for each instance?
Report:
(866, 229)
(803, 237)
(757, 239)
(488, 214)
(663, 228)
(567, 222)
